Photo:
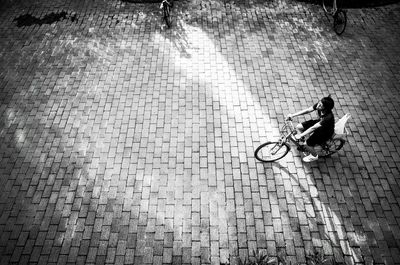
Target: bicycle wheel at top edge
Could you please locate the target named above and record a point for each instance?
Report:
(271, 151)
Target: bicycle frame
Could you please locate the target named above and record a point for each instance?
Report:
(287, 131)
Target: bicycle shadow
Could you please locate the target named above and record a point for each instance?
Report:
(178, 37)
(178, 33)
(324, 224)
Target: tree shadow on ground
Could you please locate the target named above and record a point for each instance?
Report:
(29, 20)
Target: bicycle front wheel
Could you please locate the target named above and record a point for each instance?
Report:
(339, 22)
(271, 151)
(333, 146)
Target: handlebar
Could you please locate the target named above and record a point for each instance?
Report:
(289, 130)
(289, 122)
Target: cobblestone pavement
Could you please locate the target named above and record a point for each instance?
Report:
(124, 142)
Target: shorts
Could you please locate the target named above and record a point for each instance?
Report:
(319, 136)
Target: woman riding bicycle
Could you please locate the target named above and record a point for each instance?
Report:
(319, 130)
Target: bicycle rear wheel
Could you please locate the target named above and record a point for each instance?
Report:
(271, 151)
(339, 22)
(333, 146)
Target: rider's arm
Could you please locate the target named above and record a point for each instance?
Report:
(302, 112)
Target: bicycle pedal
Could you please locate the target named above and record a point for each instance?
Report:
(301, 148)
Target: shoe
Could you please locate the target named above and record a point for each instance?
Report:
(310, 158)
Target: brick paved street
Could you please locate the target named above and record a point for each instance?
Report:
(124, 142)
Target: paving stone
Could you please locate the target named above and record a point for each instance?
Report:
(122, 141)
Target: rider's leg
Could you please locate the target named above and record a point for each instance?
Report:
(309, 147)
(313, 156)
(299, 128)
(310, 150)
(317, 138)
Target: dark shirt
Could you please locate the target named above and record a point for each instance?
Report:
(327, 121)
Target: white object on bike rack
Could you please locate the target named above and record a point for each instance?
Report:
(340, 125)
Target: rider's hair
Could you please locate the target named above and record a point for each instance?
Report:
(328, 103)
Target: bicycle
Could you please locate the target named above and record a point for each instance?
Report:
(339, 15)
(166, 7)
(275, 150)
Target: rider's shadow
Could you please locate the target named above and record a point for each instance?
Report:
(309, 190)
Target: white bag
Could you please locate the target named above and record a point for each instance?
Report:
(340, 125)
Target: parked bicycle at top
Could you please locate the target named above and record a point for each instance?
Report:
(166, 7)
(339, 15)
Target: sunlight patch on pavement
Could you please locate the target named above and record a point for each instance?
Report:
(19, 136)
(207, 62)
